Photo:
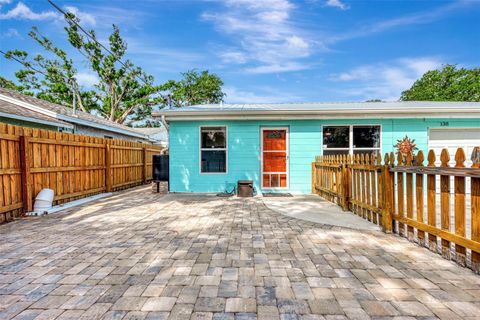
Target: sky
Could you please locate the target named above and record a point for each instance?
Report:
(268, 51)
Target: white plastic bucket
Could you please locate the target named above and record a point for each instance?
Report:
(43, 201)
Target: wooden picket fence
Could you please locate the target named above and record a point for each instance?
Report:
(74, 166)
(436, 206)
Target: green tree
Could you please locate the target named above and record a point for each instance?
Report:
(195, 88)
(447, 84)
(8, 84)
(51, 78)
(125, 93)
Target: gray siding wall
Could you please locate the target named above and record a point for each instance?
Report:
(94, 132)
(28, 124)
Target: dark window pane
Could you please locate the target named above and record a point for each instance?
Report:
(336, 137)
(214, 161)
(330, 152)
(213, 137)
(366, 137)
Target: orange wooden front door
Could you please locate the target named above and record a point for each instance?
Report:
(274, 158)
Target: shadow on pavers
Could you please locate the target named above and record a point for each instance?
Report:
(314, 209)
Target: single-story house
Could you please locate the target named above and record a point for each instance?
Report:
(23, 110)
(214, 146)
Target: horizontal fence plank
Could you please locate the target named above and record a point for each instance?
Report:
(366, 206)
(66, 143)
(445, 171)
(327, 165)
(65, 169)
(10, 137)
(126, 148)
(9, 171)
(333, 193)
(11, 207)
(365, 167)
(126, 165)
(473, 245)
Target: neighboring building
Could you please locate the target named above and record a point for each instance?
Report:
(212, 147)
(158, 135)
(28, 111)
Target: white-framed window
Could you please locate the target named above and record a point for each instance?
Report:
(213, 149)
(351, 139)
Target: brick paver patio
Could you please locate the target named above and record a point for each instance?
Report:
(139, 256)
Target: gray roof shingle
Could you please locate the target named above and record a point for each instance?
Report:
(8, 108)
(62, 110)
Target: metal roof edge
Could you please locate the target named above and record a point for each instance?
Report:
(100, 126)
(35, 120)
(471, 112)
(186, 117)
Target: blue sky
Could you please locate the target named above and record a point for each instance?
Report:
(270, 50)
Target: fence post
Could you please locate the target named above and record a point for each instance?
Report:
(144, 164)
(475, 199)
(388, 194)
(108, 167)
(26, 162)
(314, 178)
(346, 179)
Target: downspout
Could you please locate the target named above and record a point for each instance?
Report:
(164, 122)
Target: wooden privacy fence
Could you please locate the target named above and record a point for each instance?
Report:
(436, 206)
(74, 166)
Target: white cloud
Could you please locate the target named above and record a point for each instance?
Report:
(263, 34)
(21, 11)
(85, 18)
(86, 79)
(386, 80)
(266, 95)
(277, 68)
(422, 17)
(235, 57)
(337, 4)
(11, 33)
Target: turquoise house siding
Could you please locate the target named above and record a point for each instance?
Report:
(305, 142)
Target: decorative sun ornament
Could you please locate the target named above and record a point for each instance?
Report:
(406, 145)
